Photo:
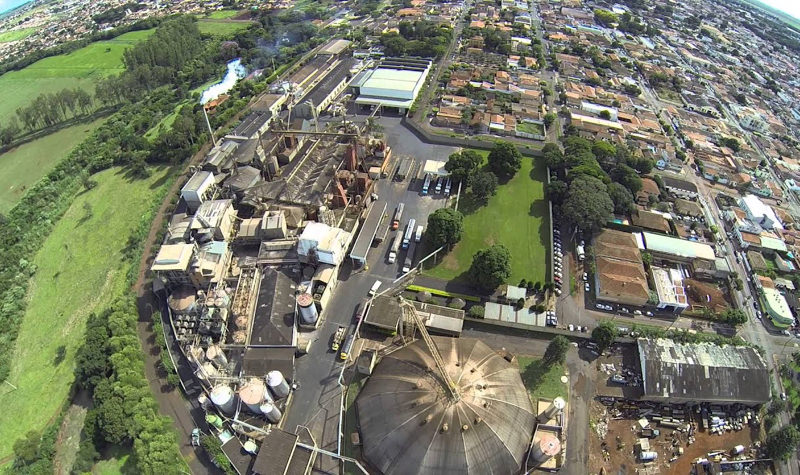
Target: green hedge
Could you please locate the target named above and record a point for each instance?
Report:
(442, 293)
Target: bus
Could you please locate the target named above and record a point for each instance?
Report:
(398, 239)
(410, 228)
(427, 184)
(398, 215)
(347, 346)
(409, 262)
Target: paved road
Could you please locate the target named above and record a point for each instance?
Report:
(582, 390)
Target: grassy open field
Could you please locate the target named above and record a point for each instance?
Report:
(223, 14)
(541, 380)
(24, 165)
(221, 28)
(16, 35)
(77, 69)
(515, 217)
(80, 269)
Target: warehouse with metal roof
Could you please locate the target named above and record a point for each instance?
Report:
(672, 248)
(411, 424)
(681, 373)
(394, 83)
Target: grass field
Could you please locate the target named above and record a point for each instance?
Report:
(515, 217)
(223, 14)
(77, 69)
(16, 35)
(80, 269)
(117, 462)
(221, 28)
(24, 165)
(542, 381)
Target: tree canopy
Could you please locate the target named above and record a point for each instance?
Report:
(622, 199)
(556, 191)
(484, 185)
(553, 157)
(490, 267)
(463, 165)
(505, 159)
(557, 350)
(605, 17)
(588, 205)
(445, 226)
(783, 442)
(604, 334)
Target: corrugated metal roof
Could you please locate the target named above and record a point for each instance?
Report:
(678, 247)
(410, 426)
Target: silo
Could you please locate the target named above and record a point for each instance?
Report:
(271, 412)
(182, 301)
(239, 337)
(552, 410)
(547, 447)
(207, 371)
(308, 311)
(214, 420)
(252, 394)
(250, 446)
(223, 397)
(215, 354)
(277, 384)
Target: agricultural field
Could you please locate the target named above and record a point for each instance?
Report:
(220, 27)
(24, 165)
(16, 35)
(81, 68)
(80, 269)
(516, 217)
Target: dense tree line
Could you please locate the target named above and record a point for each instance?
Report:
(51, 108)
(421, 38)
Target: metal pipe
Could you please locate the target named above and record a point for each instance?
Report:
(336, 456)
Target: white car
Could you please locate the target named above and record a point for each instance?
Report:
(585, 277)
(637, 312)
(608, 307)
(586, 287)
(571, 327)
(374, 289)
(599, 306)
(649, 314)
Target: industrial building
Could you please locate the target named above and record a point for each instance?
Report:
(394, 83)
(678, 373)
(776, 307)
(411, 423)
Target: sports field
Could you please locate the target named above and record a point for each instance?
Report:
(24, 165)
(16, 35)
(221, 27)
(515, 217)
(77, 69)
(80, 269)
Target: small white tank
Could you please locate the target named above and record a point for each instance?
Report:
(308, 311)
(277, 384)
(251, 447)
(217, 355)
(547, 447)
(271, 412)
(252, 394)
(223, 397)
(553, 409)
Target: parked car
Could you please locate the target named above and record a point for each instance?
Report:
(599, 306)
(374, 289)
(586, 287)
(649, 314)
(758, 314)
(608, 307)
(623, 330)
(637, 312)
(584, 329)
(571, 327)
(624, 310)
(558, 291)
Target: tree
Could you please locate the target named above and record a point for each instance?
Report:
(622, 199)
(556, 191)
(783, 442)
(484, 185)
(588, 205)
(445, 226)
(26, 449)
(647, 258)
(605, 17)
(731, 142)
(553, 157)
(505, 159)
(549, 118)
(734, 317)
(462, 165)
(476, 311)
(557, 350)
(604, 334)
(604, 151)
(491, 267)
(605, 114)
(627, 177)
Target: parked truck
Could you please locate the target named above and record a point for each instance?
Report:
(650, 433)
(581, 253)
(404, 169)
(398, 215)
(338, 336)
(409, 262)
(398, 240)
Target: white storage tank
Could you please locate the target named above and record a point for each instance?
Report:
(215, 354)
(252, 394)
(553, 409)
(223, 397)
(308, 311)
(547, 447)
(648, 456)
(271, 412)
(250, 446)
(277, 384)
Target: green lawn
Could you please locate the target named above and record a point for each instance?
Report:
(223, 14)
(81, 68)
(80, 269)
(117, 462)
(542, 381)
(515, 217)
(16, 35)
(24, 165)
(222, 28)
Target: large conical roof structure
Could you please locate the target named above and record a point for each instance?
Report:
(411, 425)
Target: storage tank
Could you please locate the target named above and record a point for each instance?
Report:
(182, 301)
(272, 165)
(196, 355)
(277, 384)
(252, 394)
(552, 410)
(250, 446)
(271, 412)
(207, 371)
(217, 355)
(239, 337)
(308, 311)
(648, 456)
(547, 447)
(223, 397)
(214, 420)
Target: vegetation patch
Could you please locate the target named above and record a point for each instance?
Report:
(79, 269)
(442, 293)
(543, 380)
(223, 14)
(16, 35)
(221, 28)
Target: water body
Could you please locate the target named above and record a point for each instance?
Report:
(8, 5)
(235, 72)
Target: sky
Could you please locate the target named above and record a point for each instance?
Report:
(6, 5)
(792, 7)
